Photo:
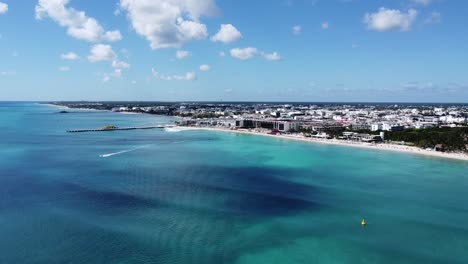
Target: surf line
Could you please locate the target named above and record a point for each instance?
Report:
(122, 152)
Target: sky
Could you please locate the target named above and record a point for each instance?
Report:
(244, 50)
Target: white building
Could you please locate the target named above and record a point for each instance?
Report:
(375, 127)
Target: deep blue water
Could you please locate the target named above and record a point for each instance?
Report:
(215, 197)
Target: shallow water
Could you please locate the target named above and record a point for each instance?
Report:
(158, 196)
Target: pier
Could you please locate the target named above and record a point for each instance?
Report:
(112, 128)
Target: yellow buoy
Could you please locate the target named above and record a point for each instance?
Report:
(363, 222)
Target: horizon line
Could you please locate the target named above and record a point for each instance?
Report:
(223, 101)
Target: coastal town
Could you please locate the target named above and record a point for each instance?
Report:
(441, 128)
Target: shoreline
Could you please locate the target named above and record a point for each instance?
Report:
(70, 108)
(98, 110)
(53, 105)
(382, 146)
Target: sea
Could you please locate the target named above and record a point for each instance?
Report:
(190, 196)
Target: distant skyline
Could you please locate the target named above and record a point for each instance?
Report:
(208, 50)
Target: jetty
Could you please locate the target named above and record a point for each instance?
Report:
(114, 128)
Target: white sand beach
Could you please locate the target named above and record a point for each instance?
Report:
(381, 146)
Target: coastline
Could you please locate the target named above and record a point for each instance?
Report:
(383, 146)
(54, 105)
(69, 108)
(97, 110)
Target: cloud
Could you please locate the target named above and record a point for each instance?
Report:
(457, 87)
(390, 19)
(272, 56)
(3, 8)
(433, 18)
(222, 54)
(120, 64)
(117, 73)
(64, 69)
(77, 23)
(169, 23)
(189, 76)
(422, 2)
(70, 56)
(101, 52)
(7, 73)
(205, 67)
(244, 54)
(182, 54)
(427, 88)
(248, 53)
(297, 30)
(431, 88)
(227, 34)
(325, 25)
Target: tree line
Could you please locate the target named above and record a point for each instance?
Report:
(453, 139)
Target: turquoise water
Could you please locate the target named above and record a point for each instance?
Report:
(216, 197)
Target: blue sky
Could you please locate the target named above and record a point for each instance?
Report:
(278, 50)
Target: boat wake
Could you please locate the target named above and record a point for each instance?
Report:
(122, 152)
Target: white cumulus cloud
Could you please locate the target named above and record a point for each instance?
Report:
(227, 34)
(69, 56)
(390, 19)
(116, 74)
(169, 23)
(325, 25)
(189, 76)
(205, 67)
(272, 56)
(182, 54)
(297, 30)
(3, 8)
(244, 54)
(78, 24)
(101, 52)
(250, 52)
(120, 64)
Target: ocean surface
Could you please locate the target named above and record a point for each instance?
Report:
(157, 196)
